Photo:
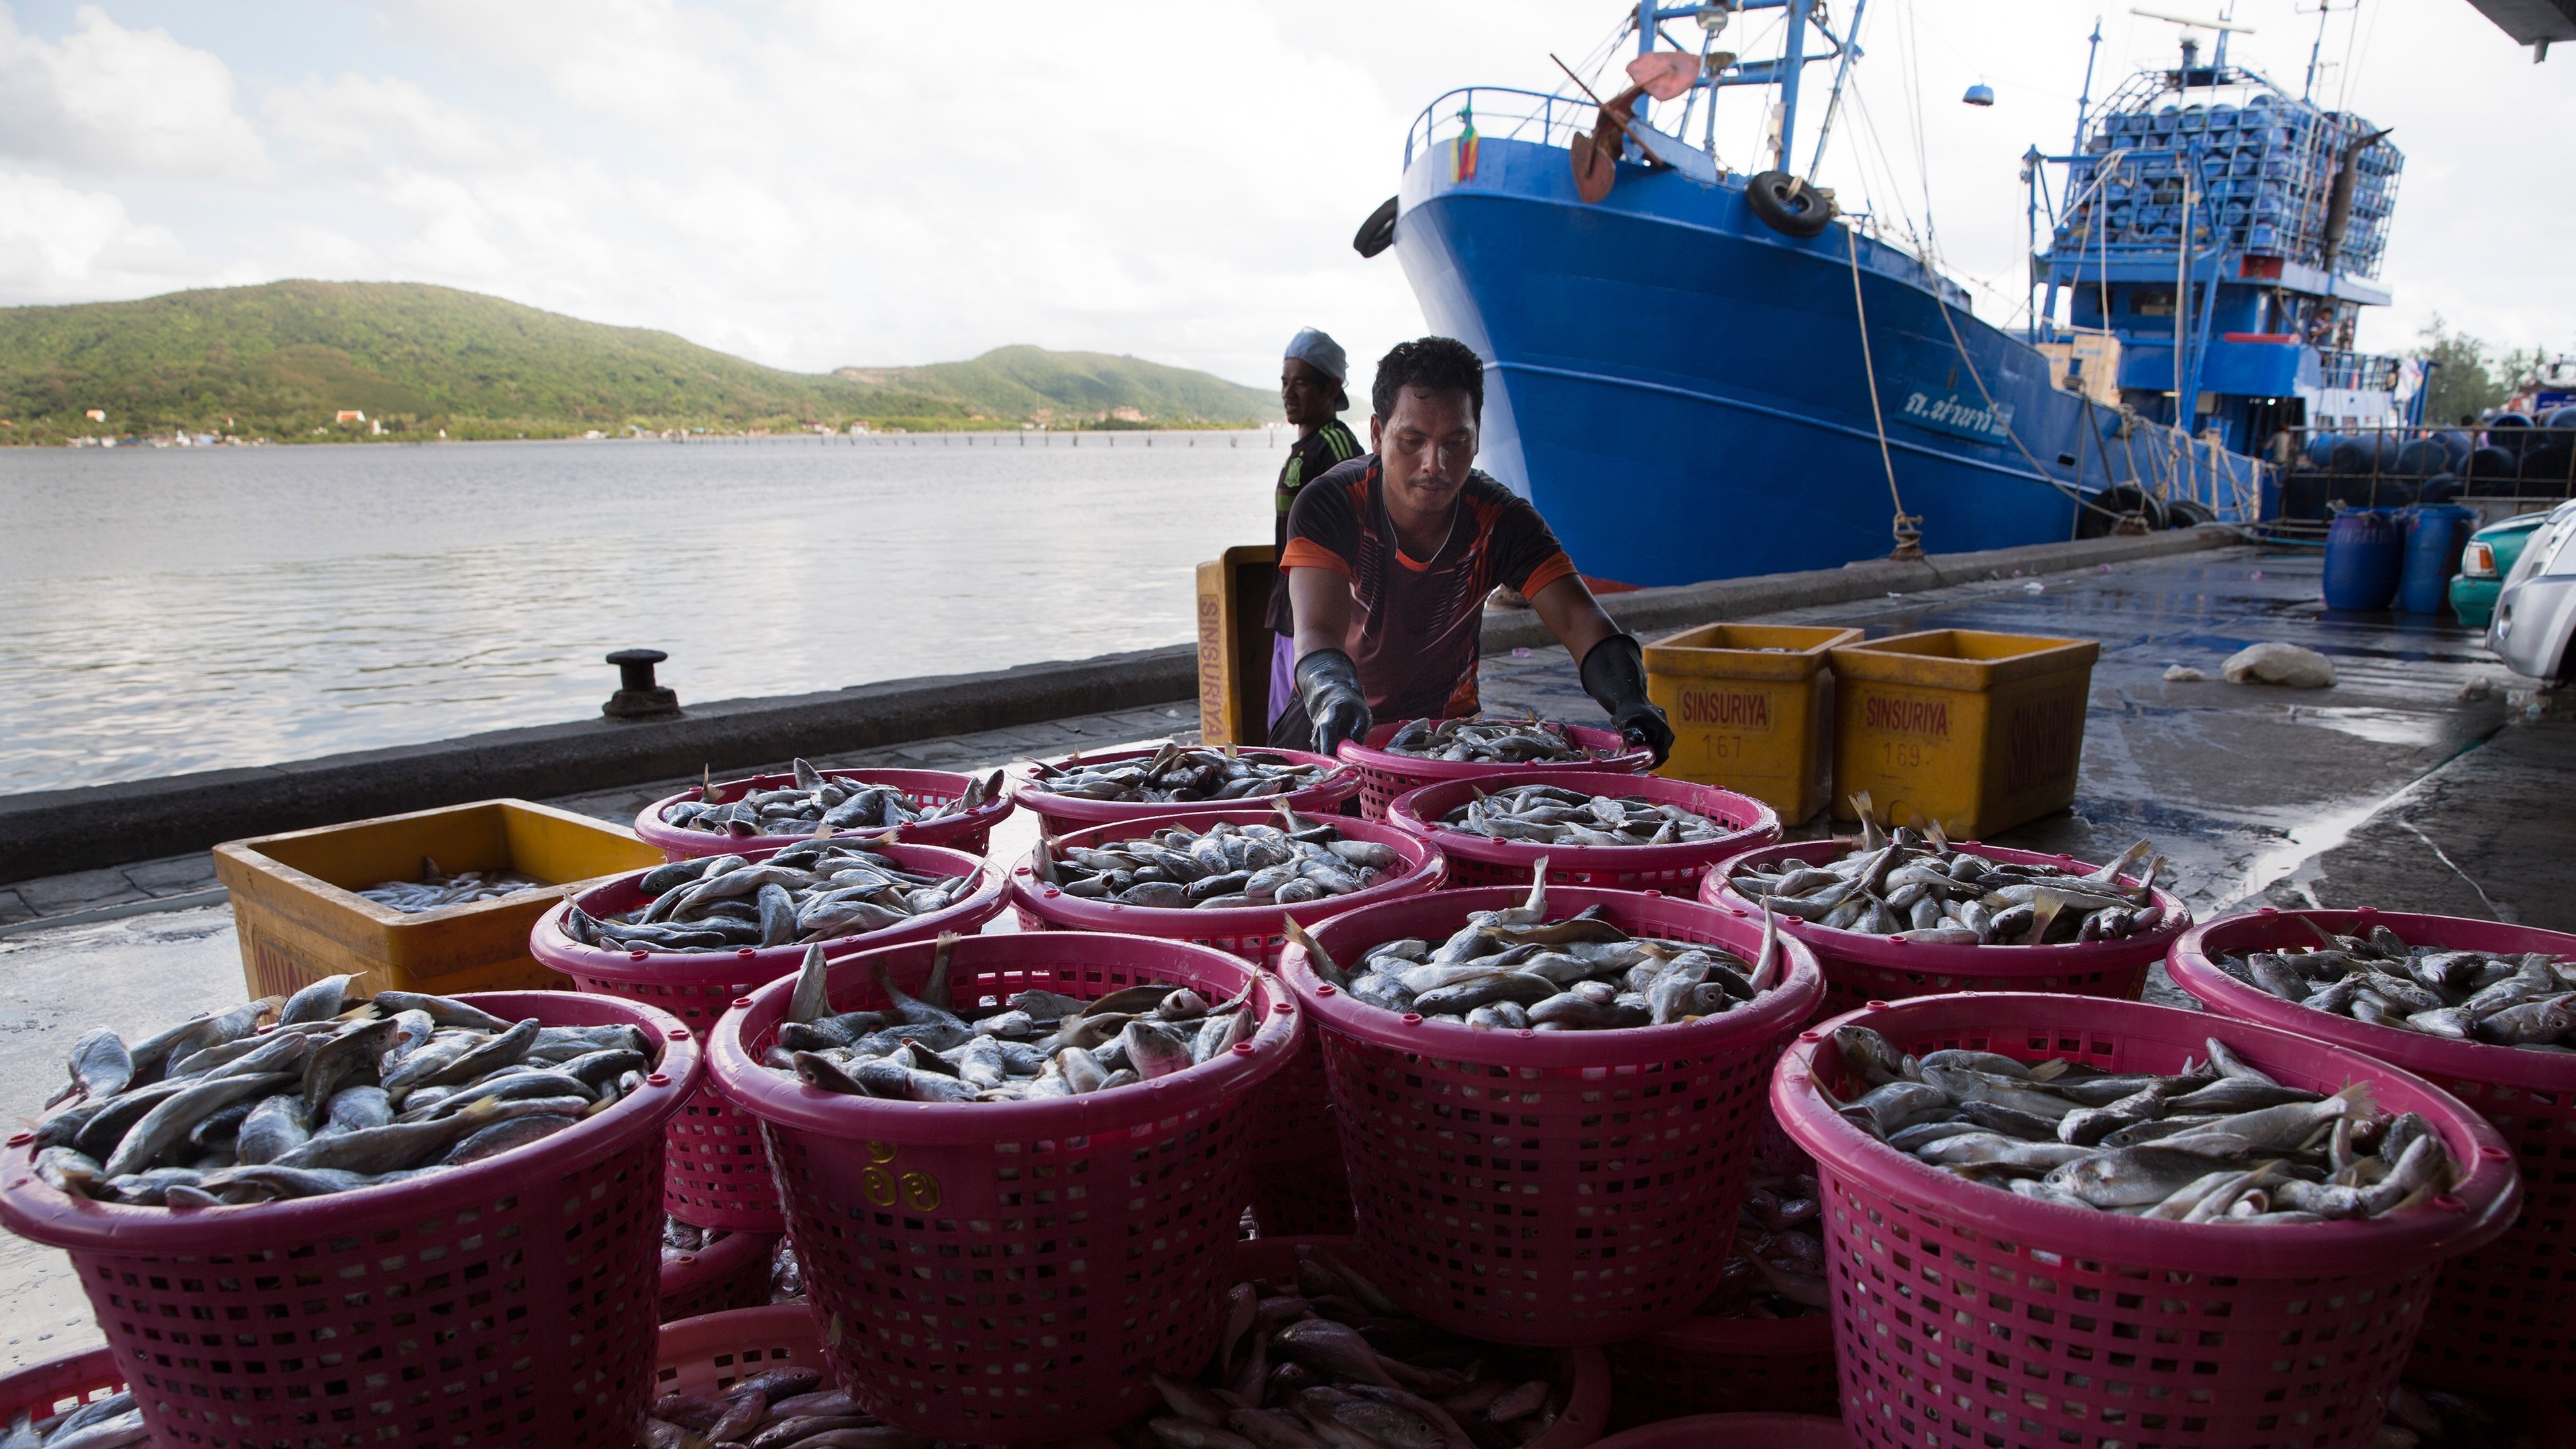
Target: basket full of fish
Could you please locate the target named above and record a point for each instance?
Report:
(1910, 914)
(1409, 754)
(1549, 1007)
(691, 935)
(78, 1400)
(2488, 1012)
(1644, 833)
(400, 1148)
(1072, 1109)
(1138, 784)
(1230, 878)
(2230, 1217)
(1233, 878)
(764, 812)
(1763, 1342)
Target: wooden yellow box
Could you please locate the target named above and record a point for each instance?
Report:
(1752, 710)
(299, 919)
(1977, 731)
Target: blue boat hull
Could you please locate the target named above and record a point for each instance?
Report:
(1682, 391)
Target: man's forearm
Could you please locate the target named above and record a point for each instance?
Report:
(1570, 613)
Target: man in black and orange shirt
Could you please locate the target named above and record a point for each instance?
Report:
(1390, 556)
(1312, 397)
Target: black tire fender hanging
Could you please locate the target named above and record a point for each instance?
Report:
(1788, 205)
(1378, 232)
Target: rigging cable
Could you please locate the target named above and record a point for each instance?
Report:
(1908, 528)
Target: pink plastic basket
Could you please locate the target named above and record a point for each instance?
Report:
(59, 1385)
(709, 1353)
(1965, 1315)
(1015, 1271)
(731, 1272)
(2503, 1319)
(1548, 1187)
(719, 1174)
(1862, 968)
(1583, 1370)
(1064, 814)
(1383, 775)
(971, 831)
(1675, 870)
(510, 1301)
(1297, 1181)
(1737, 1431)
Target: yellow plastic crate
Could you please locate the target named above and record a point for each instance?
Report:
(299, 919)
(1977, 731)
(1752, 710)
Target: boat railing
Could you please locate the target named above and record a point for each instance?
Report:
(2356, 370)
(1504, 113)
(2391, 466)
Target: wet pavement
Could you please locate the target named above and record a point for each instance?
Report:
(2427, 779)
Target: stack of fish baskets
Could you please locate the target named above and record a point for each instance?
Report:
(1565, 1111)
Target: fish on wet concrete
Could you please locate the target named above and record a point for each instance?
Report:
(1918, 886)
(437, 887)
(319, 1093)
(1519, 969)
(1554, 815)
(816, 802)
(1477, 740)
(2218, 1142)
(1222, 865)
(1178, 774)
(815, 890)
(2522, 999)
(1029, 1046)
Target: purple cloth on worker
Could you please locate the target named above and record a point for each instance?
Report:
(1283, 674)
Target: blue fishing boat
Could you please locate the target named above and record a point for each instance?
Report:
(1700, 373)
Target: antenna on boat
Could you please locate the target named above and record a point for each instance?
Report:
(2084, 102)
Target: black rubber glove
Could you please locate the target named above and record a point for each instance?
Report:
(1614, 674)
(1328, 685)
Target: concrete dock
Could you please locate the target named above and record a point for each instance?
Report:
(2427, 779)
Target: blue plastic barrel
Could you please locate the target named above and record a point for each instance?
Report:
(2422, 457)
(2434, 538)
(2365, 556)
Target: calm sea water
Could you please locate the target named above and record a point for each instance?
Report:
(172, 610)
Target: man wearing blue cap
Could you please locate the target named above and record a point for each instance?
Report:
(1310, 393)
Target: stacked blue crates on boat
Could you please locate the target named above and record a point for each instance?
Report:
(2259, 177)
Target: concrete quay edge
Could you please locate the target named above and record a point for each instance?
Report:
(52, 832)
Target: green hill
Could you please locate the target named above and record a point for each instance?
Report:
(1092, 387)
(283, 360)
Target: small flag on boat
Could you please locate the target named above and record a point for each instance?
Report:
(1465, 169)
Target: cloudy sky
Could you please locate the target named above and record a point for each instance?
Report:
(817, 182)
